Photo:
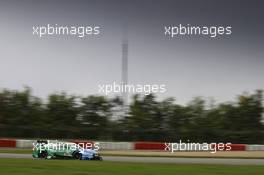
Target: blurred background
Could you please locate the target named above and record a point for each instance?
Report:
(49, 86)
(23, 115)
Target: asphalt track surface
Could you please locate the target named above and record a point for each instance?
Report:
(162, 159)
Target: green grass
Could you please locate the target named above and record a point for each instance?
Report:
(16, 151)
(76, 167)
(29, 151)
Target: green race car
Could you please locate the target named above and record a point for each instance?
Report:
(47, 150)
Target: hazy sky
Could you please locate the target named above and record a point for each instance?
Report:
(221, 67)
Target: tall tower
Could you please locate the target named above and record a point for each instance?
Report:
(125, 69)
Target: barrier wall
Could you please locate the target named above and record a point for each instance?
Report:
(230, 147)
(255, 147)
(22, 143)
(116, 145)
(238, 147)
(9, 143)
(192, 147)
(149, 146)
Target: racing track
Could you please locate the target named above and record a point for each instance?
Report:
(163, 159)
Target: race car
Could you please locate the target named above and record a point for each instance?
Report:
(64, 150)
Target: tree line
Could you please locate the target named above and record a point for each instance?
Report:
(23, 115)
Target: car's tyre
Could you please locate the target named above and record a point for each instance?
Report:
(98, 158)
(43, 155)
(77, 155)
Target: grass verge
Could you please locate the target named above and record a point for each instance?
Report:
(231, 154)
(75, 167)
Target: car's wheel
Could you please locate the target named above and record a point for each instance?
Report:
(43, 155)
(98, 158)
(77, 155)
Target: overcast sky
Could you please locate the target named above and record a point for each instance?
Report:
(220, 67)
